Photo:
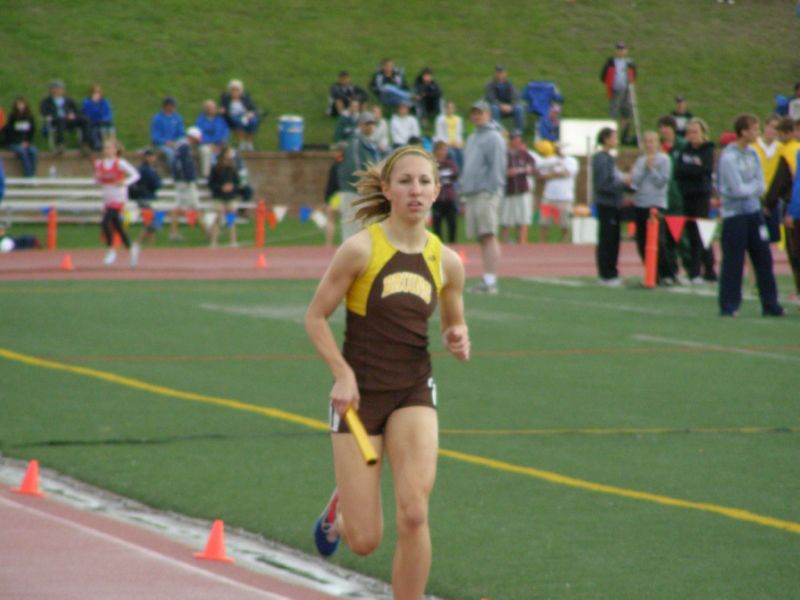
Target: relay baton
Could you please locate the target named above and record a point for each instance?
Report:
(360, 434)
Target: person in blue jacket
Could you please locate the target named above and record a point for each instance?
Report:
(166, 129)
(97, 110)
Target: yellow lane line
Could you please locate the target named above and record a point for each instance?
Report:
(549, 476)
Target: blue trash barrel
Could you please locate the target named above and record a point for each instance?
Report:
(290, 133)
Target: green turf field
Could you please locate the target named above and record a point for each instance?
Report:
(601, 443)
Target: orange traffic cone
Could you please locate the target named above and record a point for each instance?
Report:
(215, 548)
(463, 256)
(66, 264)
(30, 483)
(261, 261)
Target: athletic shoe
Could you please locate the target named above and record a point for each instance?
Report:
(325, 535)
(775, 311)
(681, 280)
(484, 288)
(610, 282)
(111, 256)
(726, 313)
(697, 280)
(135, 249)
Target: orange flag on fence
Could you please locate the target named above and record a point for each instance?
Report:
(675, 225)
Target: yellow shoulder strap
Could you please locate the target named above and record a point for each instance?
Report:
(382, 251)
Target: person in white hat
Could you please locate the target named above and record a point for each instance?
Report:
(184, 172)
(241, 113)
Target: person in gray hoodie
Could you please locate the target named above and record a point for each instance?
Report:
(482, 183)
(650, 178)
(608, 185)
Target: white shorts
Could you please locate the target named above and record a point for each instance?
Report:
(186, 195)
(516, 209)
(481, 214)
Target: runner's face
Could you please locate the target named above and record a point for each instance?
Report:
(412, 187)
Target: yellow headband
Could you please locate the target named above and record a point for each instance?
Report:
(387, 168)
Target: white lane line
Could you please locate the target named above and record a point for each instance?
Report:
(145, 551)
(701, 345)
(557, 281)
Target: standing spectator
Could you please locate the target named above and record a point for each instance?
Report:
(241, 113)
(347, 122)
(20, 131)
(504, 99)
(741, 184)
(694, 166)
(672, 145)
(450, 129)
(166, 129)
(516, 206)
(650, 177)
(97, 110)
(682, 116)
(332, 197)
(445, 208)
(226, 185)
(618, 74)
(380, 135)
(61, 114)
(559, 173)
(792, 222)
(389, 84)
(428, 96)
(214, 129)
(341, 93)
(144, 191)
(794, 104)
(404, 126)
(360, 151)
(608, 186)
(115, 174)
(482, 183)
(768, 148)
(184, 173)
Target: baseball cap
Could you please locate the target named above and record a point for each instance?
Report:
(366, 117)
(620, 45)
(481, 105)
(679, 98)
(515, 133)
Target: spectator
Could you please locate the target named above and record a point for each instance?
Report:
(794, 104)
(214, 129)
(445, 208)
(143, 191)
(694, 166)
(166, 129)
(504, 99)
(389, 84)
(741, 184)
(608, 185)
(559, 173)
(97, 110)
(342, 92)
(672, 145)
(184, 173)
(768, 148)
(618, 74)
(360, 151)
(450, 129)
(549, 126)
(403, 126)
(682, 116)
(482, 183)
(61, 114)
(650, 178)
(20, 131)
(241, 113)
(380, 135)
(516, 206)
(347, 123)
(226, 185)
(114, 174)
(333, 199)
(428, 96)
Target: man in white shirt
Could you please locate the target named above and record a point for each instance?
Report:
(559, 173)
(403, 126)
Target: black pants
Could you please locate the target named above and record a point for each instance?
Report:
(742, 234)
(793, 252)
(79, 124)
(447, 212)
(609, 218)
(113, 222)
(642, 215)
(701, 258)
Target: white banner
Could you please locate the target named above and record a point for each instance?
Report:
(280, 211)
(319, 218)
(707, 228)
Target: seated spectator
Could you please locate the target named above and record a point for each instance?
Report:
(166, 129)
(794, 104)
(215, 132)
(450, 129)
(97, 110)
(445, 208)
(342, 92)
(347, 123)
(548, 126)
(504, 99)
(20, 130)
(389, 84)
(149, 182)
(403, 126)
(61, 114)
(184, 172)
(241, 113)
(380, 135)
(682, 116)
(428, 95)
(225, 184)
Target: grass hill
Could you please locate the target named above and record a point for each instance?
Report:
(724, 58)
